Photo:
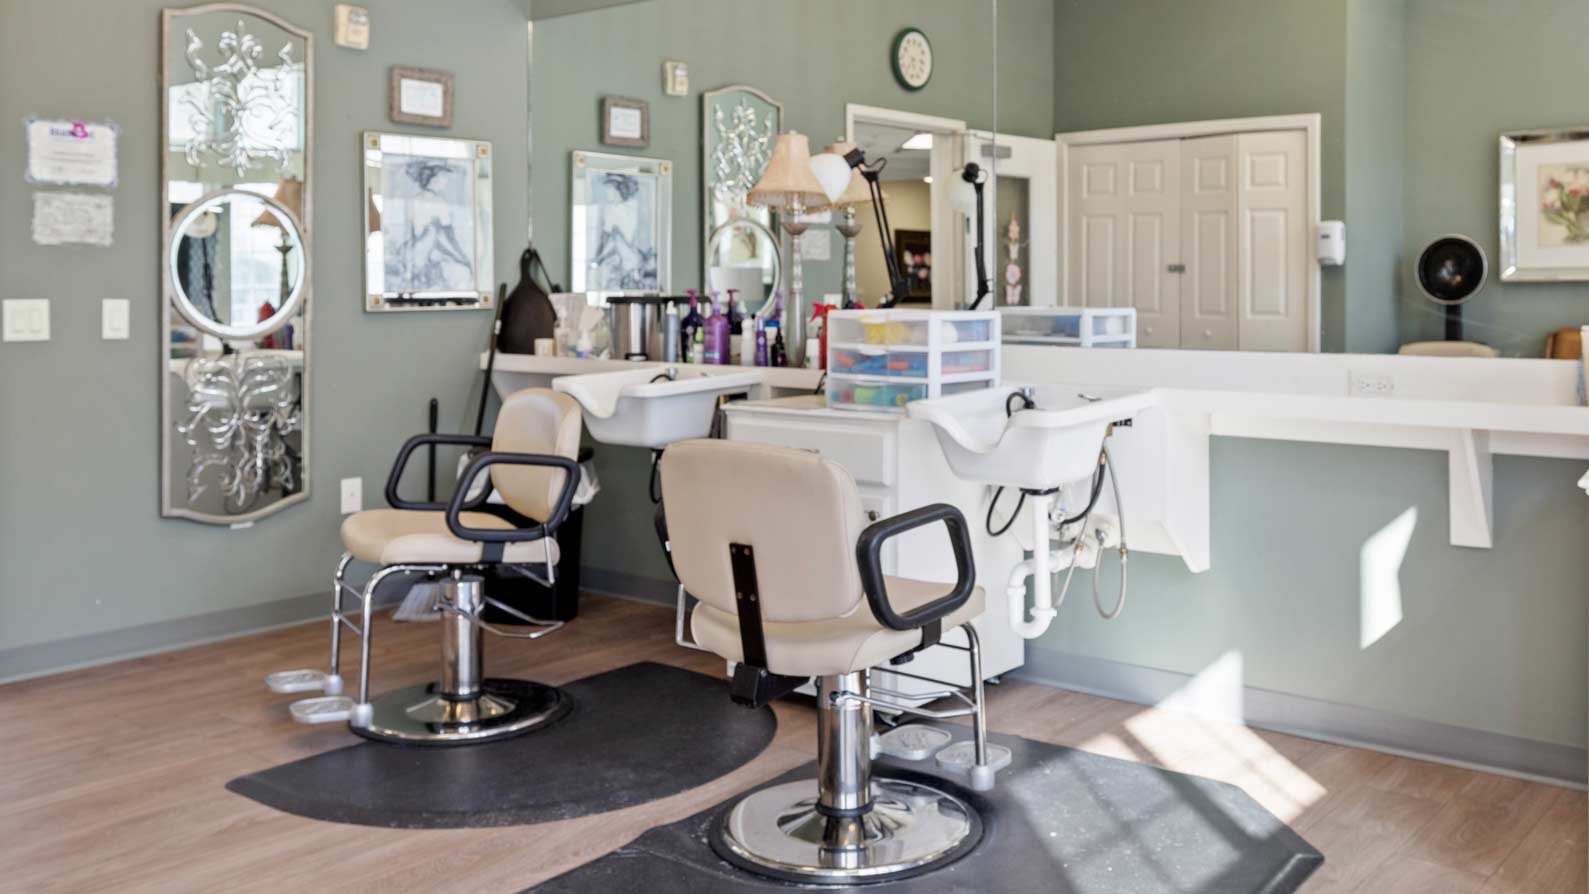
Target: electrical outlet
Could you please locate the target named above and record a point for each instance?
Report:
(352, 495)
(1372, 386)
(26, 319)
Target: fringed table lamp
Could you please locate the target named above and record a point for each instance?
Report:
(789, 186)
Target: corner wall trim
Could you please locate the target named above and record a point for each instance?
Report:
(24, 662)
(1310, 718)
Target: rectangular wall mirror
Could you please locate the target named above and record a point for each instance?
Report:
(428, 226)
(235, 263)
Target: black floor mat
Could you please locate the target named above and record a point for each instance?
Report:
(1060, 820)
(636, 734)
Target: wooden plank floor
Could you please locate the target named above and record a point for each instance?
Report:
(111, 779)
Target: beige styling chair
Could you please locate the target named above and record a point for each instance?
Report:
(789, 582)
(531, 462)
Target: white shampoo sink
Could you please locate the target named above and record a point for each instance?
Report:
(656, 405)
(1054, 444)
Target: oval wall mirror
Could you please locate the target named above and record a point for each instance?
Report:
(743, 255)
(249, 280)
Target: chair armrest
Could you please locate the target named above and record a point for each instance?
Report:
(565, 499)
(407, 451)
(868, 556)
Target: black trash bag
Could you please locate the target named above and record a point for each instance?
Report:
(528, 314)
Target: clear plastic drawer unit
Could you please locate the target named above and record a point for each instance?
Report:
(1086, 327)
(883, 359)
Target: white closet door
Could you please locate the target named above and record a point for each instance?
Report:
(1209, 243)
(1123, 233)
(1273, 284)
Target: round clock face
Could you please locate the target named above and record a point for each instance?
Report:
(912, 59)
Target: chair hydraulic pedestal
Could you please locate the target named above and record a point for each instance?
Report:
(781, 576)
(531, 462)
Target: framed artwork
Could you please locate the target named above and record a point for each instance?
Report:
(625, 122)
(621, 224)
(421, 96)
(1545, 205)
(427, 223)
(913, 248)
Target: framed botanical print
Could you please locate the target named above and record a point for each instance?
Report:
(1545, 205)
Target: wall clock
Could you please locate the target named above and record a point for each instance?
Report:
(912, 59)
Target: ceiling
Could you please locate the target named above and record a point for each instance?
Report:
(883, 141)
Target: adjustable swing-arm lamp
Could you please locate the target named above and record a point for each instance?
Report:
(973, 175)
(898, 285)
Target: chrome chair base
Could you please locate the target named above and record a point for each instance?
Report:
(418, 715)
(911, 829)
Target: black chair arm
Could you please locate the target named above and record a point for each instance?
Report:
(565, 499)
(393, 479)
(868, 556)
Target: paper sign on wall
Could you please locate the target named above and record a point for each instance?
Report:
(816, 244)
(73, 153)
(73, 218)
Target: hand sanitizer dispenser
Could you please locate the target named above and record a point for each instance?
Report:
(1331, 243)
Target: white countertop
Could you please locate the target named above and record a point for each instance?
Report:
(1470, 408)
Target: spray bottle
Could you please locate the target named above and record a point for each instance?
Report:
(670, 334)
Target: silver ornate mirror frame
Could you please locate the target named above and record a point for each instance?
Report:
(736, 143)
(276, 387)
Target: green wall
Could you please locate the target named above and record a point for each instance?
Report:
(82, 546)
(1476, 69)
(1376, 109)
(1133, 62)
(1490, 639)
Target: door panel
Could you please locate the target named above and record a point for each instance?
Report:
(1209, 215)
(1123, 231)
(1274, 242)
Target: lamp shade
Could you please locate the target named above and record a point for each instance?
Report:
(289, 192)
(852, 189)
(788, 179)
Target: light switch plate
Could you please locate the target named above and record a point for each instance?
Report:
(352, 495)
(113, 319)
(25, 319)
(675, 78)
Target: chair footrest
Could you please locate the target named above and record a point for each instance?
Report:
(323, 709)
(913, 741)
(961, 759)
(303, 681)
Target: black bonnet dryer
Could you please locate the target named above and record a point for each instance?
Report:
(1451, 270)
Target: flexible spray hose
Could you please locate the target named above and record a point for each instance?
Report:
(1120, 516)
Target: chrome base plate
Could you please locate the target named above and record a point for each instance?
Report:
(417, 716)
(911, 829)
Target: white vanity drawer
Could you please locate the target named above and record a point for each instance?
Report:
(867, 456)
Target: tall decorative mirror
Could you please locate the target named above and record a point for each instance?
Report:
(739, 126)
(235, 263)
